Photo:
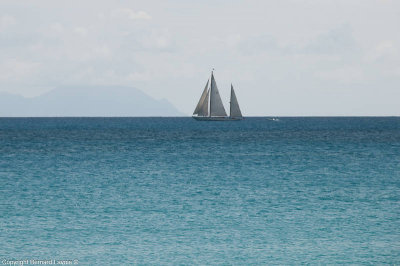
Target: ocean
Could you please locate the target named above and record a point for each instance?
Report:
(120, 191)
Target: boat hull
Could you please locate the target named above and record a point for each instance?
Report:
(216, 118)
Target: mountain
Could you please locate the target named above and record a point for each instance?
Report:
(87, 101)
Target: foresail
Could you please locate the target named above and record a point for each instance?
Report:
(200, 104)
(216, 106)
(204, 108)
(235, 110)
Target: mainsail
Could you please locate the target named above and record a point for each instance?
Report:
(203, 101)
(235, 110)
(216, 106)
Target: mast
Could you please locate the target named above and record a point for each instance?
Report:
(211, 87)
(230, 102)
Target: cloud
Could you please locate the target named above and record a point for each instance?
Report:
(81, 31)
(6, 21)
(57, 27)
(137, 76)
(149, 40)
(15, 69)
(346, 74)
(396, 72)
(256, 45)
(384, 49)
(337, 40)
(130, 14)
(160, 40)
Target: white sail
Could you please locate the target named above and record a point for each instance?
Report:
(216, 106)
(204, 108)
(235, 110)
(200, 104)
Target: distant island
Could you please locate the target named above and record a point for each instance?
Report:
(86, 101)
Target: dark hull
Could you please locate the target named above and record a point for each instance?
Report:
(218, 118)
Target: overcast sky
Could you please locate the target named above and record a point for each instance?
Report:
(286, 57)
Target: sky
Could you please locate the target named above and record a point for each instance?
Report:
(286, 57)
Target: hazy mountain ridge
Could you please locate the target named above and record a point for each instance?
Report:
(87, 101)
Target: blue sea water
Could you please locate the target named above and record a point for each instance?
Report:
(119, 191)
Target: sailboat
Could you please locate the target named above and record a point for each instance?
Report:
(211, 108)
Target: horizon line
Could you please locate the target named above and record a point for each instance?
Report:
(252, 116)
